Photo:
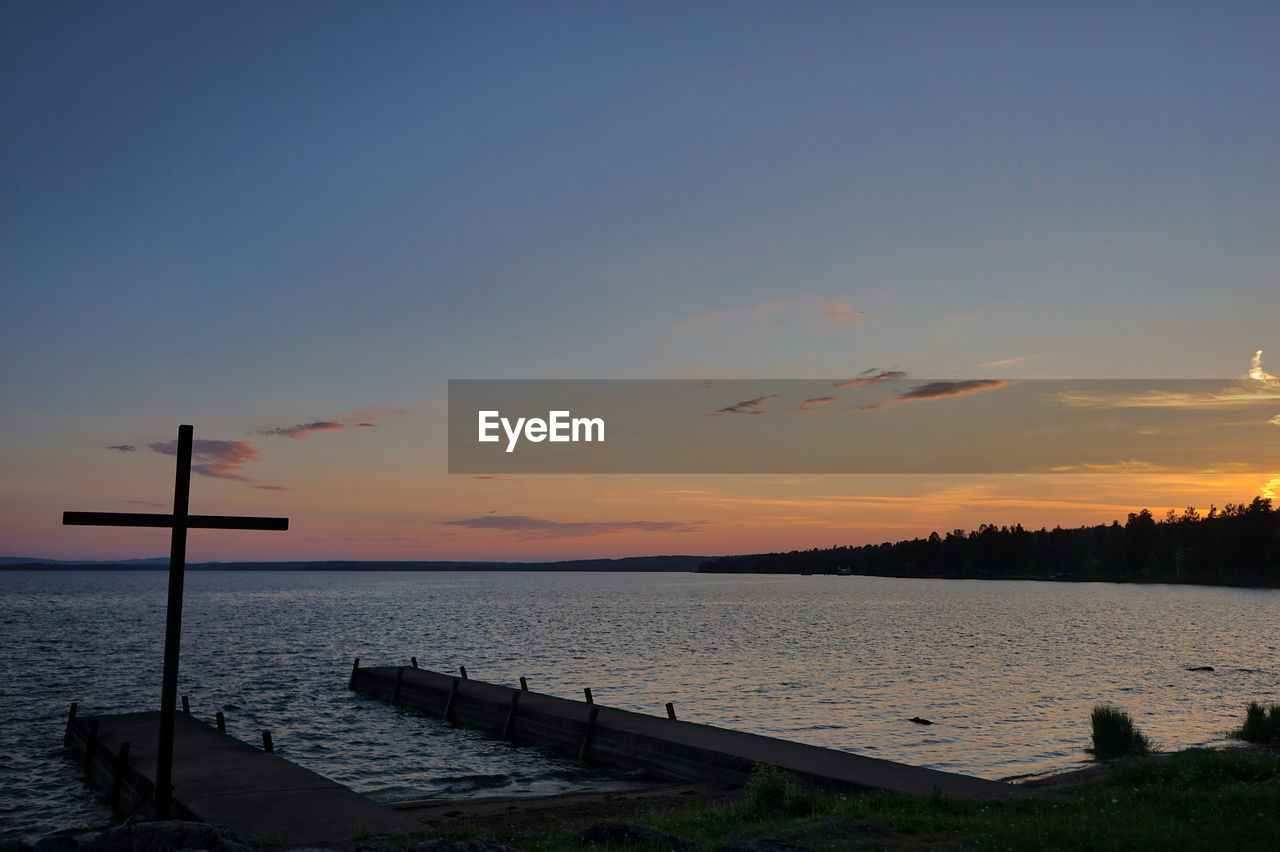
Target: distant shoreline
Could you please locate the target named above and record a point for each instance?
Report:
(683, 564)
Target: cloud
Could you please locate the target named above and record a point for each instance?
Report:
(273, 487)
(811, 403)
(1265, 379)
(841, 312)
(939, 390)
(1258, 375)
(124, 448)
(808, 309)
(147, 503)
(525, 527)
(364, 418)
(302, 430)
(942, 390)
(747, 406)
(1125, 466)
(1271, 489)
(219, 459)
(870, 377)
(375, 539)
(1004, 362)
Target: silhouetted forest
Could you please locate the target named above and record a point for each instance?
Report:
(1237, 545)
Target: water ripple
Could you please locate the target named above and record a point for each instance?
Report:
(1007, 671)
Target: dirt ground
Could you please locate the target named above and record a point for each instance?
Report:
(533, 814)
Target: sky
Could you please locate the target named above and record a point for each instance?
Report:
(292, 224)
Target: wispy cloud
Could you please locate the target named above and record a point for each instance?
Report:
(221, 459)
(1125, 466)
(812, 403)
(747, 406)
(526, 527)
(1259, 375)
(808, 309)
(840, 312)
(870, 377)
(363, 418)
(273, 487)
(1005, 362)
(942, 390)
(1267, 380)
(493, 477)
(124, 448)
(939, 390)
(302, 430)
(1145, 399)
(1237, 395)
(365, 539)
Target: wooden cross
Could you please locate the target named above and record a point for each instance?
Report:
(180, 521)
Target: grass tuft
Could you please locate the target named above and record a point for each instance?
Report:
(771, 792)
(1261, 725)
(1114, 734)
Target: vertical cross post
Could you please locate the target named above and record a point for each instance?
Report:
(181, 520)
(173, 623)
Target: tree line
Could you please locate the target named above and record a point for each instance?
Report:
(1236, 545)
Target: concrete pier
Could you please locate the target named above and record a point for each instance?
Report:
(217, 779)
(663, 746)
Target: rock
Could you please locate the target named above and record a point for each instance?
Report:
(843, 827)
(1199, 668)
(165, 837)
(629, 834)
(475, 844)
(766, 844)
(919, 721)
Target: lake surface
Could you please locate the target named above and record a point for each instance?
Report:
(1008, 671)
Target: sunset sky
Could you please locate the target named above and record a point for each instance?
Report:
(291, 224)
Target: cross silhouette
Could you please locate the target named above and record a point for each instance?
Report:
(180, 521)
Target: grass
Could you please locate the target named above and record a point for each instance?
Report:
(1261, 725)
(1195, 799)
(1114, 734)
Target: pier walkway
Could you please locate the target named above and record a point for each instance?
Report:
(217, 779)
(664, 747)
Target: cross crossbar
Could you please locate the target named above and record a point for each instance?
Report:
(180, 522)
(195, 522)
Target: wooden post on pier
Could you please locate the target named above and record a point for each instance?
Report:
(117, 774)
(180, 521)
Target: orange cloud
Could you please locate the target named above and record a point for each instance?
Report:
(219, 459)
(302, 430)
(843, 313)
(809, 404)
(939, 390)
(526, 527)
(870, 377)
(942, 390)
(747, 406)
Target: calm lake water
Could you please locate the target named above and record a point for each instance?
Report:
(1008, 671)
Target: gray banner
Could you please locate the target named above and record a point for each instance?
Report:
(870, 424)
